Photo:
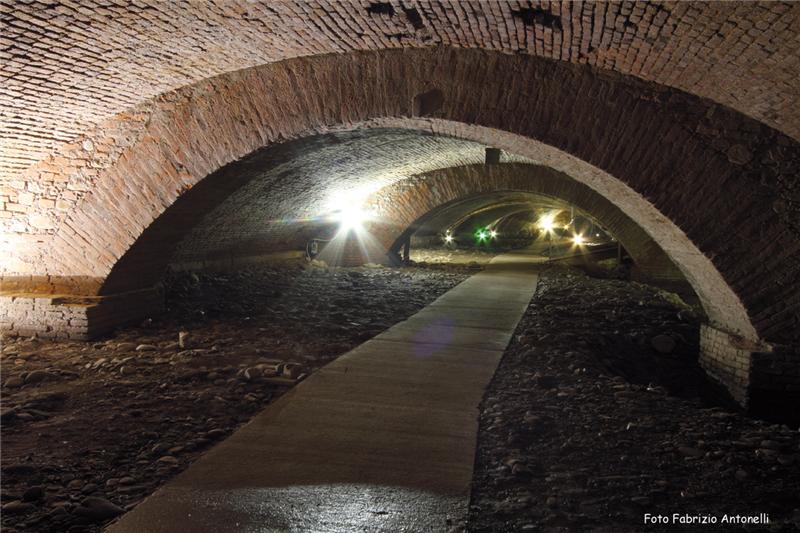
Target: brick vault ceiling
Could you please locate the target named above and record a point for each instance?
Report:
(67, 65)
(309, 178)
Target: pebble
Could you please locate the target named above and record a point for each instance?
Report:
(90, 488)
(215, 434)
(159, 448)
(13, 382)
(58, 510)
(98, 509)
(520, 470)
(663, 344)
(690, 452)
(33, 494)
(17, 507)
(146, 348)
(37, 376)
(125, 347)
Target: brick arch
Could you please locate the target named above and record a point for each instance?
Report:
(407, 206)
(689, 172)
(461, 218)
(71, 65)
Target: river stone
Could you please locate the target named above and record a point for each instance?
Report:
(13, 382)
(146, 348)
(663, 344)
(16, 507)
(33, 494)
(37, 376)
(98, 509)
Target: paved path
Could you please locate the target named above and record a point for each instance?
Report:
(381, 439)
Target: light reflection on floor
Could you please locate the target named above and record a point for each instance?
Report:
(319, 508)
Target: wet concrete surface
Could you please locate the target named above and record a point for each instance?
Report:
(381, 439)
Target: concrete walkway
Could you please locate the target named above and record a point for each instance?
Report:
(381, 439)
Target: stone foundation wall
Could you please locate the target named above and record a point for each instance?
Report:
(726, 359)
(764, 379)
(26, 316)
(70, 317)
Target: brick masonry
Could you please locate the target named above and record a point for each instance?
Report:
(237, 230)
(684, 115)
(766, 379)
(70, 65)
(727, 359)
(301, 180)
(69, 317)
(675, 164)
(405, 205)
(44, 316)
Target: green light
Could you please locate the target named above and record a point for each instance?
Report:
(482, 235)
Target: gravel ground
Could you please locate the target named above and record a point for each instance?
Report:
(599, 414)
(89, 429)
(452, 256)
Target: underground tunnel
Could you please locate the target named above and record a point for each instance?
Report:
(381, 266)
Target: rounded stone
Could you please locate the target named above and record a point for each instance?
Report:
(739, 154)
(663, 344)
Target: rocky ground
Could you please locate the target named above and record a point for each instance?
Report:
(452, 255)
(599, 414)
(89, 429)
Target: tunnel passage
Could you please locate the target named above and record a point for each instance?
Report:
(337, 169)
(684, 169)
(422, 201)
(530, 223)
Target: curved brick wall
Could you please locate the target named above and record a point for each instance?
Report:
(68, 66)
(408, 204)
(300, 181)
(455, 214)
(694, 175)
